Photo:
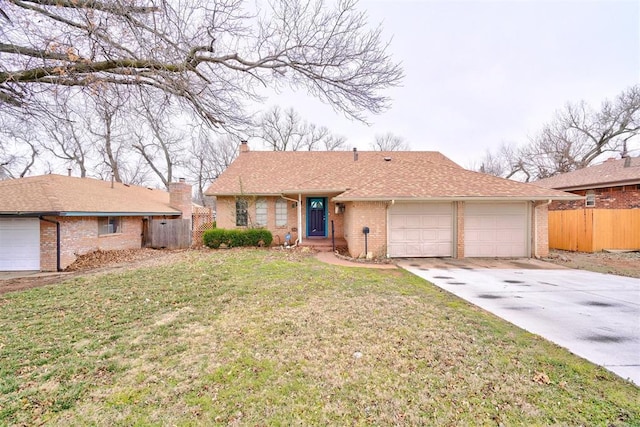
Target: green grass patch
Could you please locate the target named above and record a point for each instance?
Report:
(263, 337)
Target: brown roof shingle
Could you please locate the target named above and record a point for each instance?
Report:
(374, 176)
(72, 195)
(609, 173)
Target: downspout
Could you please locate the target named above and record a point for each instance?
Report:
(57, 240)
(299, 213)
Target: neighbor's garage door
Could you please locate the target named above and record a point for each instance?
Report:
(421, 230)
(495, 229)
(19, 244)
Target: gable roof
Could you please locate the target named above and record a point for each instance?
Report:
(607, 174)
(72, 196)
(375, 175)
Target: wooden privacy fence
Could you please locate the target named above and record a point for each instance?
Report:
(170, 233)
(592, 230)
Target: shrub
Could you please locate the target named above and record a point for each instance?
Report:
(237, 238)
(215, 237)
(259, 237)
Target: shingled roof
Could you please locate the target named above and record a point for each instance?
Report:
(65, 195)
(607, 174)
(375, 175)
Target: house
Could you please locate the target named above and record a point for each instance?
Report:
(47, 221)
(384, 204)
(607, 217)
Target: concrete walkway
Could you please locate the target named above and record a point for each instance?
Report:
(593, 315)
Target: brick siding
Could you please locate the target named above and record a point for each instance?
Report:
(459, 230)
(621, 197)
(48, 246)
(370, 214)
(366, 214)
(226, 217)
(79, 236)
(540, 230)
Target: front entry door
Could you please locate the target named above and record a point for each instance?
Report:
(316, 216)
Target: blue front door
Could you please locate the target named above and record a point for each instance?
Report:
(316, 216)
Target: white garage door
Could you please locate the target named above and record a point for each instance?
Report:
(495, 229)
(19, 244)
(421, 230)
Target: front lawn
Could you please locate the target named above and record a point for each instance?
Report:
(257, 337)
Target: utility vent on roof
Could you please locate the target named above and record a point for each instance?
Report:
(387, 159)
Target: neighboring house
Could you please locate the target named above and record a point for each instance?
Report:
(47, 221)
(608, 215)
(414, 204)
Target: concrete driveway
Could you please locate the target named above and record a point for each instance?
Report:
(593, 315)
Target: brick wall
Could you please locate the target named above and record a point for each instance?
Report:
(540, 230)
(79, 236)
(180, 198)
(459, 230)
(370, 214)
(621, 197)
(226, 217)
(48, 246)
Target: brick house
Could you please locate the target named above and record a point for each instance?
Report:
(608, 214)
(413, 204)
(613, 184)
(47, 221)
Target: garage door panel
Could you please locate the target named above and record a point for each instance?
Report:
(420, 229)
(496, 229)
(413, 221)
(19, 244)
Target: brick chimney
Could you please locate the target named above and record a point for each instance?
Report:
(180, 198)
(244, 147)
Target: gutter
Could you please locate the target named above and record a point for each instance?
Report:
(40, 214)
(457, 199)
(57, 240)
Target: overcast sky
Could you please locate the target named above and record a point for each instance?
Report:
(479, 73)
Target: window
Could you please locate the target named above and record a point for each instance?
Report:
(241, 212)
(261, 212)
(591, 199)
(109, 225)
(281, 213)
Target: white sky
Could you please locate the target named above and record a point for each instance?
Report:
(479, 73)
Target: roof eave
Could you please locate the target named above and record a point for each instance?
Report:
(598, 185)
(30, 213)
(278, 193)
(153, 213)
(457, 199)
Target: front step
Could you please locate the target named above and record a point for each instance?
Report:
(323, 245)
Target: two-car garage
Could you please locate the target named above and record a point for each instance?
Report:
(429, 229)
(19, 244)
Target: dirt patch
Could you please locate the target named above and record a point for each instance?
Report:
(620, 264)
(98, 262)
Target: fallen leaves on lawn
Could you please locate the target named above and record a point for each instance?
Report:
(541, 378)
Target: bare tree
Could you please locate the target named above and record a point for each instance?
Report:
(18, 148)
(389, 142)
(209, 158)
(107, 126)
(577, 136)
(287, 131)
(66, 138)
(157, 140)
(210, 54)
